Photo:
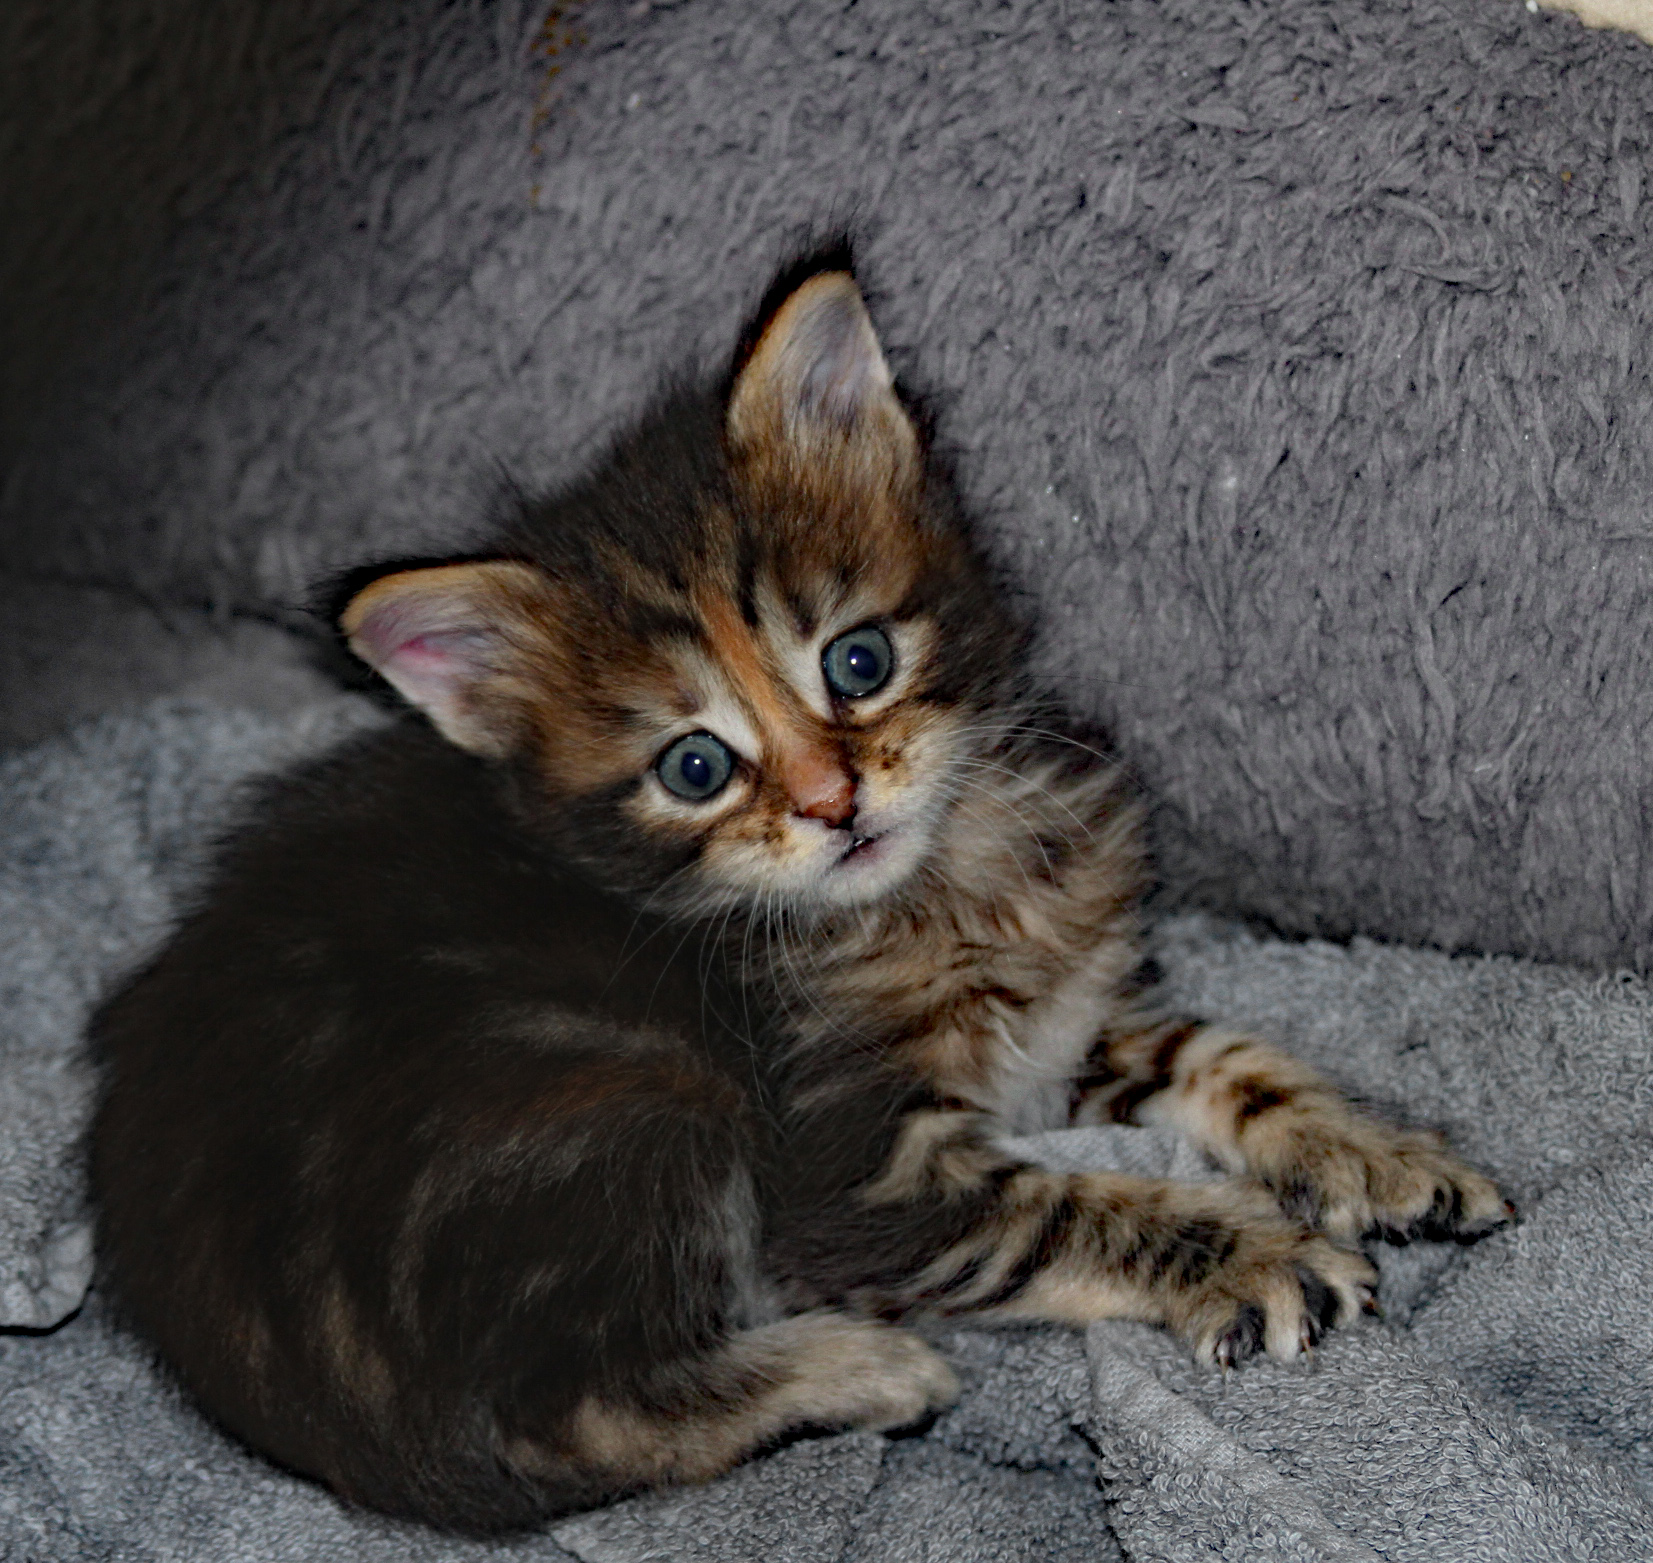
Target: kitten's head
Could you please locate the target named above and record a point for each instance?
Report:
(744, 663)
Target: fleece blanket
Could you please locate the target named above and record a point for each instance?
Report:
(1502, 1409)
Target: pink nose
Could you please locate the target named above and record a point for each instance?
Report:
(820, 788)
(836, 808)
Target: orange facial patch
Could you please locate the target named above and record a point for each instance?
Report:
(798, 754)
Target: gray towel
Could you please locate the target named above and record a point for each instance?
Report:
(1502, 1410)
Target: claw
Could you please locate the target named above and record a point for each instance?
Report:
(1320, 1304)
(1241, 1339)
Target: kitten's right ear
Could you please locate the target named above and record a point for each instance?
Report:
(453, 641)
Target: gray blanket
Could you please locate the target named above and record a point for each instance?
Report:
(1503, 1409)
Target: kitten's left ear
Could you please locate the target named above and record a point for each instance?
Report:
(817, 381)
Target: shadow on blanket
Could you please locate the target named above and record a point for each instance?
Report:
(1503, 1410)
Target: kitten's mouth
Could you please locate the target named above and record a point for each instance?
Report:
(870, 863)
(859, 848)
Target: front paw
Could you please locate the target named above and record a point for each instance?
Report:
(1359, 1179)
(1273, 1286)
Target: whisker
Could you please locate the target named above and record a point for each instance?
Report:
(987, 824)
(1027, 781)
(1003, 730)
(689, 932)
(745, 1031)
(1012, 806)
(836, 1026)
(711, 940)
(627, 954)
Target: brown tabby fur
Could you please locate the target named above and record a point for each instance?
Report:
(507, 1131)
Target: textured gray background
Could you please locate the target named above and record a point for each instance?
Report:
(1292, 353)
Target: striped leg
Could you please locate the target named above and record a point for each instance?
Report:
(953, 1225)
(1261, 1113)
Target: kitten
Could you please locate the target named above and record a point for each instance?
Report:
(569, 1090)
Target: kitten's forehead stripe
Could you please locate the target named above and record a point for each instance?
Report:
(741, 652)
(803, 614)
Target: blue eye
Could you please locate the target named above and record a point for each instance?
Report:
(696, 768)
(858, 663)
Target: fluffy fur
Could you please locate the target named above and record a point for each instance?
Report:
(531, 1113)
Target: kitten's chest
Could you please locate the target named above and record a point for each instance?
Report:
(995, 1002)
(995, 974)
(1043, 1045)
(1043, 893)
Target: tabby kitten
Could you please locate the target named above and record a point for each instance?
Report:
(571, 1092)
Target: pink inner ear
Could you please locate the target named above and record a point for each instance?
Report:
(435, 649)
(443, 635)
(426, 650)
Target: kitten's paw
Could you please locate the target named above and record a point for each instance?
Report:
(1278, 1289)
(860, 1373)
(1426, 1191)
(1363, 1179)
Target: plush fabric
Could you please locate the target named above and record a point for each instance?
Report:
(71, 653)
(118, 118)
(1291, 353)
(1503, 1410)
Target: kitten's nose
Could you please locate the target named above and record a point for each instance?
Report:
(820, 788)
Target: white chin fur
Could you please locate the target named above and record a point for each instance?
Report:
(875, 870)
(821, 877)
